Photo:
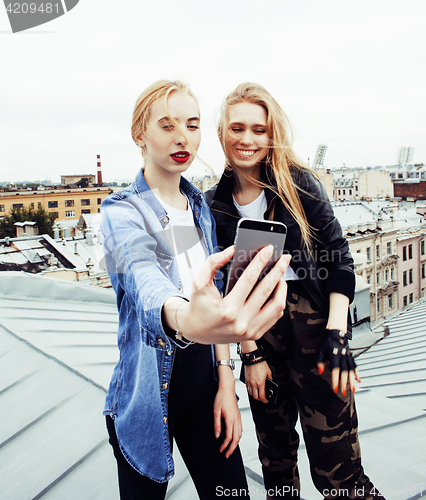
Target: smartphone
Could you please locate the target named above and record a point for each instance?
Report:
(251, 236)
(271, 391)
(271, 388)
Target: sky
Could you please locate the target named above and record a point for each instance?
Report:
(349, 74)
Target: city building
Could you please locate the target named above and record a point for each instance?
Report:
(409, 188)
(64, 257)
(356, 184)
(378, 230)
(411, 268)
(405, 154)
(64, 203)
(77, 195)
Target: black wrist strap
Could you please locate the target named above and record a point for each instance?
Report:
(250, 356)
(254, 361)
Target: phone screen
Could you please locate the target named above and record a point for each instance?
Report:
(251, 236)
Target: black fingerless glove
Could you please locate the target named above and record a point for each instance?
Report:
(334, 347)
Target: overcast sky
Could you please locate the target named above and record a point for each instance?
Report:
(350, 74)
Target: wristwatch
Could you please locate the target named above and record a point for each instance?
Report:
(226, 362)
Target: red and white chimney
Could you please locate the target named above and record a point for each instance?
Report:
(99, 170)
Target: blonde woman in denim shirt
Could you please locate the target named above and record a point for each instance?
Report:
(170, 310)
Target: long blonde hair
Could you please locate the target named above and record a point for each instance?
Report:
(281, 158)
(142, 111)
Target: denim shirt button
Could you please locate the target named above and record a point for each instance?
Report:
(161, 342)
(181, 289)
(164, 420)
(170, 353)
(165, 219)
(165, 385)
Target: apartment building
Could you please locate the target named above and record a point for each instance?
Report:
(356, 184)
(380, 269)
(64, 203)
(411, 268)
(391, 237)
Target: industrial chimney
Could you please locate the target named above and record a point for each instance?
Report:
(99, 170)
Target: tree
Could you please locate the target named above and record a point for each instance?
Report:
(43, 219)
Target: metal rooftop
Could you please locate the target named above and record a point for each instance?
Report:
(57, 352)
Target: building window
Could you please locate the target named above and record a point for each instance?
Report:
(69, 213)
(69, 203)
(369, 279)
(387, 275)
(411, 298)
(390, 301)
(1, 208)
(392, 274)
(422, 247)
(378, 251)
(55, 215)
(410, 276)
(404, 278)
(39, 204)
(350, 191)
(32, 206)
(410, 251)
(378, 278)
(423, 271)
(99, 201)
(85, 202)
(389, 247)
(404, 253)
(378, 305)
(404, 301)
(18, 206)
(344, 191)
(339, 192)
(86, 211)
(52, 204)
(368, 253)
(423, 292)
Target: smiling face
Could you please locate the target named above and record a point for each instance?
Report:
(164, 146)
(247, 140)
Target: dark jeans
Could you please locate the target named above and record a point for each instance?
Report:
(190, 418)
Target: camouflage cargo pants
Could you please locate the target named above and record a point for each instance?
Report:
(328, 420)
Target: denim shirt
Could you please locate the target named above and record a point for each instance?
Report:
(139, 260)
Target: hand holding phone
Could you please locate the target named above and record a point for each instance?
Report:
(271, 391)
(251, 236)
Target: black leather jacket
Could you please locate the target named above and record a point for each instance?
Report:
(329, 265)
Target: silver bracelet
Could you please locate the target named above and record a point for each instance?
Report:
(178, 335)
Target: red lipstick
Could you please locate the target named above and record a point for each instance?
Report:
(181, 156)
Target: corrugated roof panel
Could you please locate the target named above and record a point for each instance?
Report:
(52, 424)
